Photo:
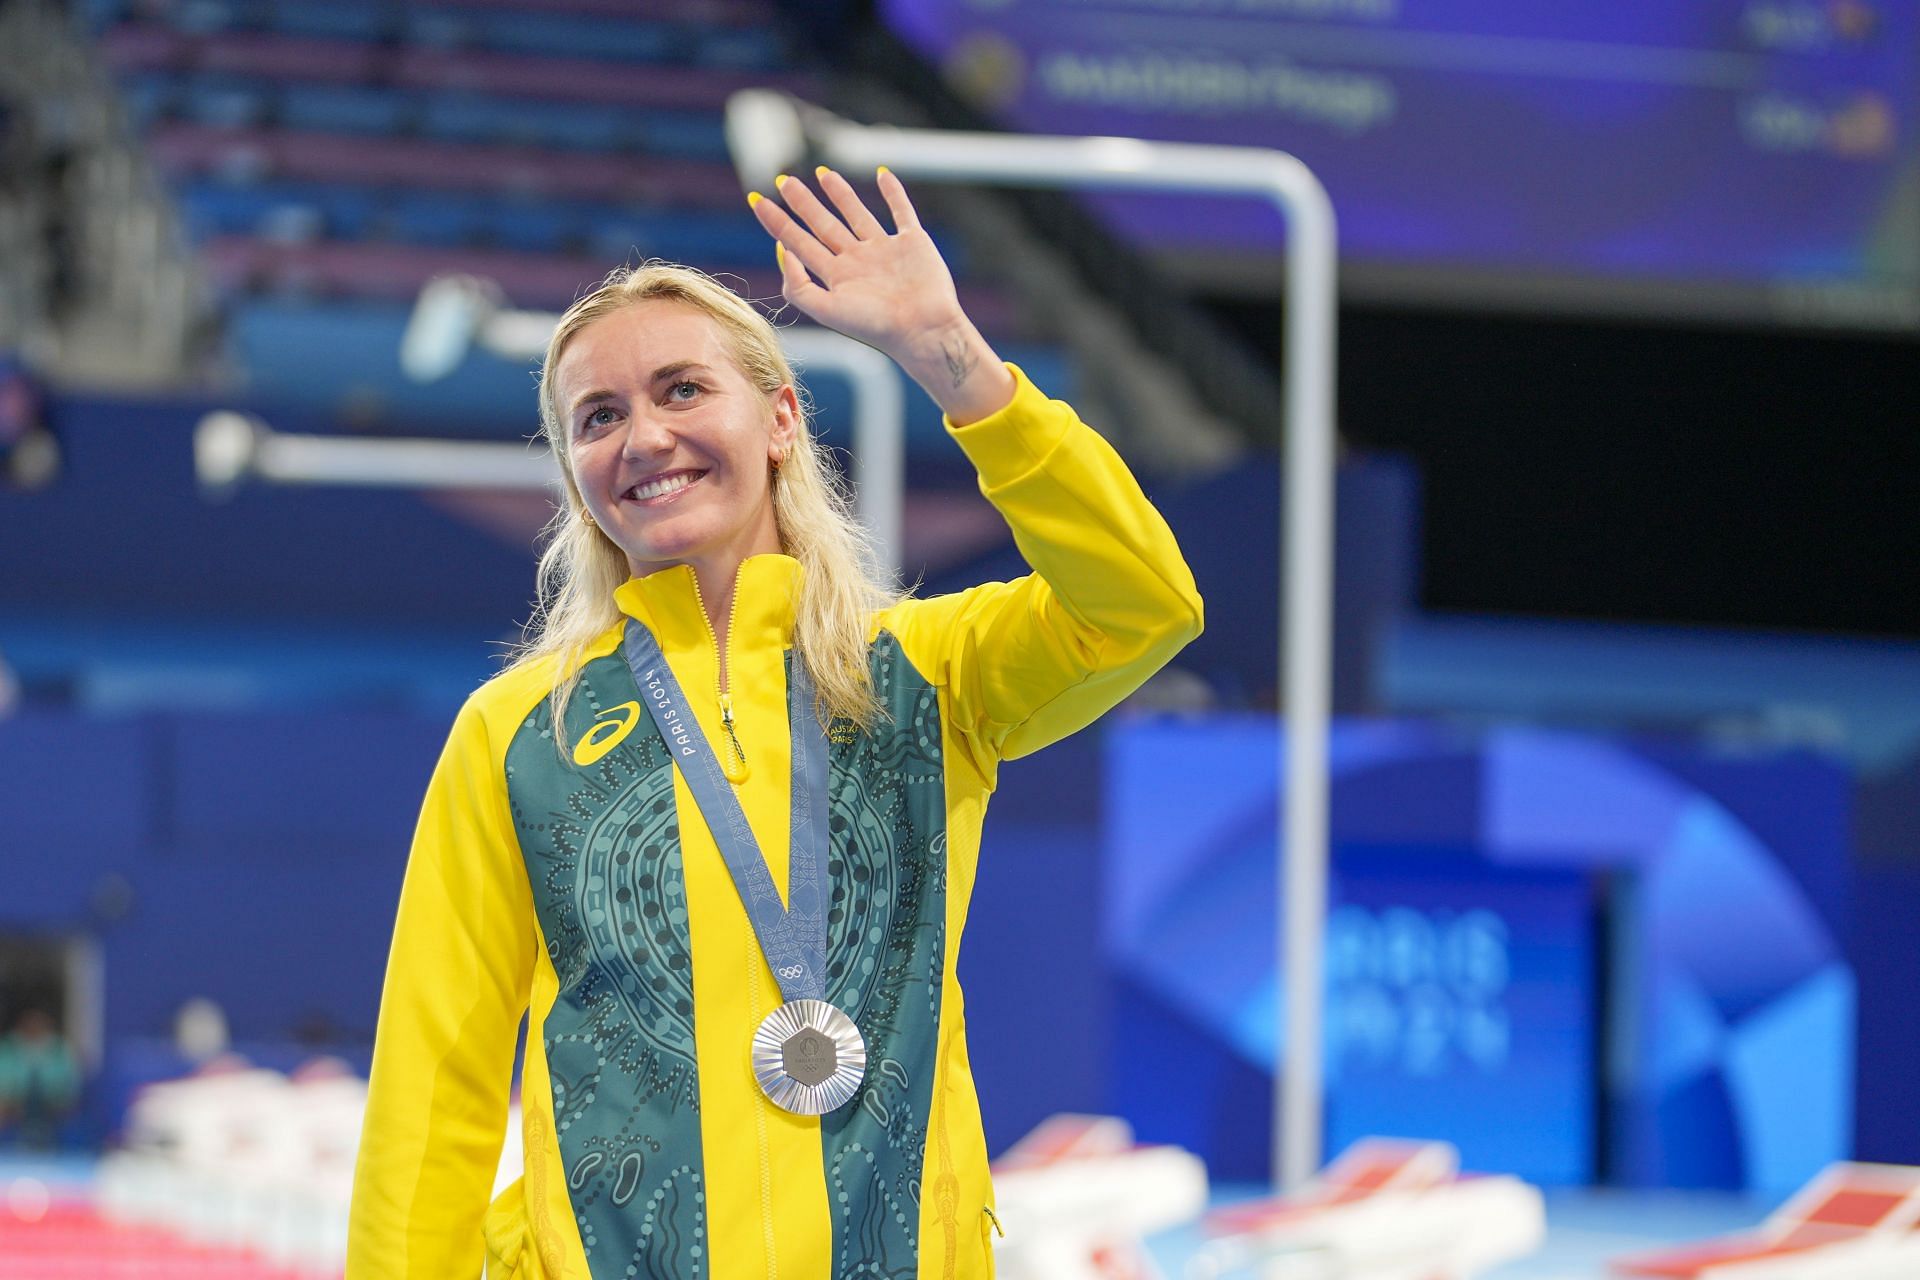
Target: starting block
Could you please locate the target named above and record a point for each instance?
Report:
(1852, 1222)
(1385, 1210)
(1077, 1197)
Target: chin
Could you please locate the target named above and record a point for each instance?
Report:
(651, 553)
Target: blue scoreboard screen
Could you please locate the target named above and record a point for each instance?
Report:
(1749, 157)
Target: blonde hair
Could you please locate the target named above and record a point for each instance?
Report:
(580, 566)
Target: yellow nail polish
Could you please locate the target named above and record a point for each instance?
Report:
(821, 171)
(883, 169)
(780, 182)
(754, 198)
(780, 254)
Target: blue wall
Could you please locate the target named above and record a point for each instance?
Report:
(1485, 886)
(256, 858)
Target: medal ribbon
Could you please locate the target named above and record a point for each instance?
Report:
(793, 938)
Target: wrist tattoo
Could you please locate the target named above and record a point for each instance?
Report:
(960, 361)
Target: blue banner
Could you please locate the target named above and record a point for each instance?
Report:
(1755, 145)
(1576, 957)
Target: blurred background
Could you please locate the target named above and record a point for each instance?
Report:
(1626, 797)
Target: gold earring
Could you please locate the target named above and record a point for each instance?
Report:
(588, 517)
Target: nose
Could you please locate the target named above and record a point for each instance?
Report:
(647, 437)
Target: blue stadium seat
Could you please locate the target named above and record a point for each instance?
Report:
(346, 108)
(342, 19)
(208, 210)
(706, 238)
(536, 227)
(279, 210)
(460, 117)
(679, 237)
(309, 210)
(349, 213)
(316, 356)
(567, 35)
(479, 118)
(440, 28)
(217, 209)
(210, 15)
(742, 48)
(445, 218)
(224, 103)
(437, 218)
(101, 13)
(584, 126)
(148, 96)
(686, 134)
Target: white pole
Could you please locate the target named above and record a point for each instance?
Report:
(1306, 671)
(769, 131)
(229, 447)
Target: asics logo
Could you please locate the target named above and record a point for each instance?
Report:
(607, 733)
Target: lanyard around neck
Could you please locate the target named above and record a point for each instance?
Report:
(793, 938)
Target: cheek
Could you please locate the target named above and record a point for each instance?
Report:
(589, 475)
(588, 457)
(746, 447)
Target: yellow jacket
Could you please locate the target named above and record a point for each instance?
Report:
(581, 885)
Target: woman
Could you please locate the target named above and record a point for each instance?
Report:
(723, 1078)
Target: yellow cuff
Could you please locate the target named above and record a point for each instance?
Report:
(1014, 439)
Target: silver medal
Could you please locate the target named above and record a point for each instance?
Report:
(809, 1057)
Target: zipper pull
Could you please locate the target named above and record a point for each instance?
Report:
(735, 774)
(994, 1218)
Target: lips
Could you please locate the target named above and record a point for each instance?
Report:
(658, 489)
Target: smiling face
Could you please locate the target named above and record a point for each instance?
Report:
(671, 444)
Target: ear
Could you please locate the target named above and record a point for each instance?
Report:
(786, 423)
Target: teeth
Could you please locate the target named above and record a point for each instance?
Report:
(664, 485)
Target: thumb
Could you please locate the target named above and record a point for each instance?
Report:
(796, 286)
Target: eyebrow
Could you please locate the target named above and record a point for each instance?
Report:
(664, 371)
(678, 366)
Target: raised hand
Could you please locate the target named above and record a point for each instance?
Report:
(890, 290)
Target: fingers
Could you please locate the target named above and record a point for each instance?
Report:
(809, 247)
(820, 220)
(796, 286)
(859, 218)
(904, 218)
(792, 236)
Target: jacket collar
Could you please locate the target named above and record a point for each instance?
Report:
(766, 597)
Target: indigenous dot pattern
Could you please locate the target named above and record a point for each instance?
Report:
(886, 954)
(602, 846)
(603, 855)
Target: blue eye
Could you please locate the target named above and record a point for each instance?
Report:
(598, 418)
(674, 390)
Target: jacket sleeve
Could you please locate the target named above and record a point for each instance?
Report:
(458, 978)
(1109, 600)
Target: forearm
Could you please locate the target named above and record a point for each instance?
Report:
(1079, 515)
(960, 370)
(1110, 598)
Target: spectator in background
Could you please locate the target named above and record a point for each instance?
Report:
(200, 1031)
(29, 454)
(39, 1080)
